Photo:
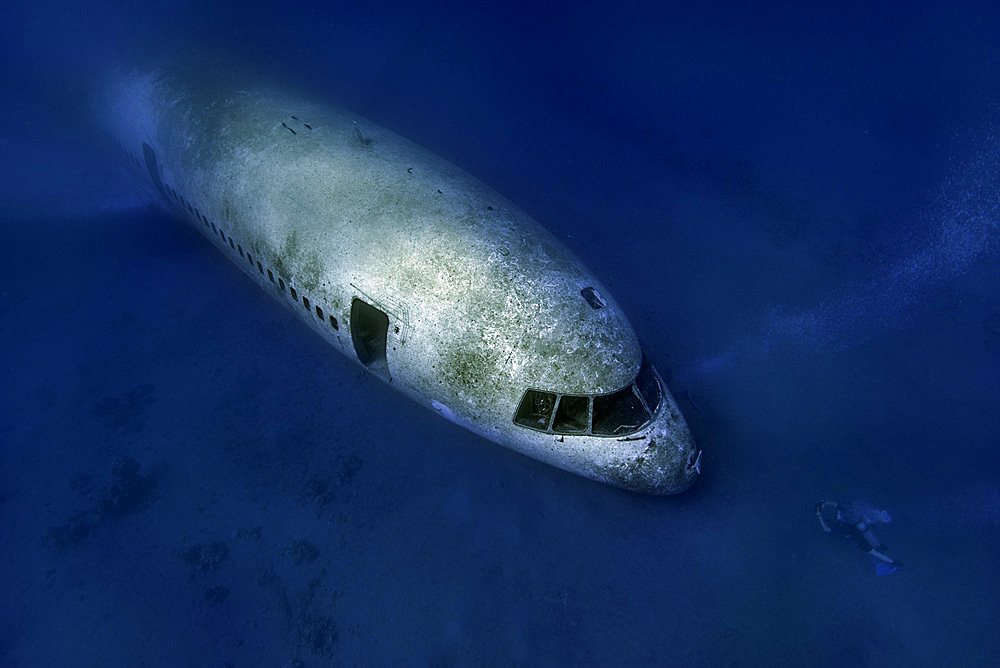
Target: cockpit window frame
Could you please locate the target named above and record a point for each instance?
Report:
(536, 406)
(621, 401)
(645, 370)
(560, 420)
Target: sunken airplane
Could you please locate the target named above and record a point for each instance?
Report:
(409, 266)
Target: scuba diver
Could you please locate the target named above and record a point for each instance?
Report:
(854, 521)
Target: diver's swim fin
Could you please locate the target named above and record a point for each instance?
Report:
(882, 568)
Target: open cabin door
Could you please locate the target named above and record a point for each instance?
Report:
(369, 327)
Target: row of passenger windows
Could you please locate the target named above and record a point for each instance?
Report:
(616, 414)
(278, 281)
(192, 210)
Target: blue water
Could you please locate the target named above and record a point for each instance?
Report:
(798, 208)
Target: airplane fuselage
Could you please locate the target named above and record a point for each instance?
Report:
(410, 267)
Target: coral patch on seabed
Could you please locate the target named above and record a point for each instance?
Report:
(72, 531)
(204, 559)
(216, 595)
(318, 634)
(127, 412)
(306, 614)
(127, 492)
(302, 552)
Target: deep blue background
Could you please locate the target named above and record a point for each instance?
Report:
(798, 208)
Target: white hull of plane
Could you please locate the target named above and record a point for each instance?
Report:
(412, 268)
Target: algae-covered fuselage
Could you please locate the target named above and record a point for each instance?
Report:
(409, 266)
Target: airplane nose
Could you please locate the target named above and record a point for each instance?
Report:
(665, 466)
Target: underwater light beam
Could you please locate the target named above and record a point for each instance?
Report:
(967, 212)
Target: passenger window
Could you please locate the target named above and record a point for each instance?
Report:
(535, 410)
(295, 295)
(619, 413)
(572, 415)
(649, 386)
(305, 302)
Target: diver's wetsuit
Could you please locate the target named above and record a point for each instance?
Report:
(833, 517)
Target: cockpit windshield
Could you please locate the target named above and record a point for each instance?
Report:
(620, 413)
(615, 414)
